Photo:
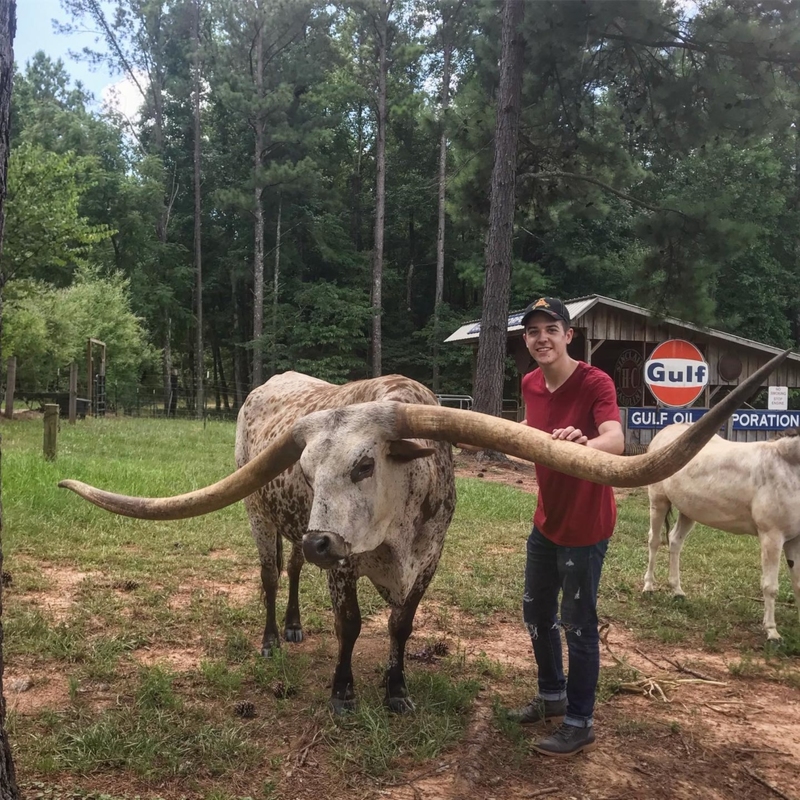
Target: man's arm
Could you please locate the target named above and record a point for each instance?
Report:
(610, 437)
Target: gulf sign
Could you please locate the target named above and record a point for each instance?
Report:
(676, 373)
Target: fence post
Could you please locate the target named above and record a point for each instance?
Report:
(11, 380)
(50, 430)
(73, 393)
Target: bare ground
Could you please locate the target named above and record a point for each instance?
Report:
(714, 734)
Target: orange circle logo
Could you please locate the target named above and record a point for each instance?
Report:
(676, 373)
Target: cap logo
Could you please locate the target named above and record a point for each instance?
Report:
(541, 303)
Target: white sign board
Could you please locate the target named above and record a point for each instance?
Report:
(778, 399)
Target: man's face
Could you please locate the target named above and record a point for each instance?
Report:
(546, 338)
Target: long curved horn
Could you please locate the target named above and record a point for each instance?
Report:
(269, 463)
(487, 432)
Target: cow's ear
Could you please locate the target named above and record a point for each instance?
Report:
(407, 450)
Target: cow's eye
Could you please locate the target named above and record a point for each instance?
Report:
(363, 469)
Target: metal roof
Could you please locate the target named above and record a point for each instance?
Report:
(580, 305)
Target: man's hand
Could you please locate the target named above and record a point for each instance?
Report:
(571, 434)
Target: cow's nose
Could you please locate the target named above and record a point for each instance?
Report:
(323, 548)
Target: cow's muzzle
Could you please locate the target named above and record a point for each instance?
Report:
(324, 549)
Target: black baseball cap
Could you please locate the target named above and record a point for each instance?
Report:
(551, 306)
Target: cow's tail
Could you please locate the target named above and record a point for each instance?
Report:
(667, 527)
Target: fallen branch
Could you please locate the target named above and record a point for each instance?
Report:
(769, 750)
(648, 687)
(643, 655)
(543, 792)
(764, 782)
(683, 668)
(302, 754)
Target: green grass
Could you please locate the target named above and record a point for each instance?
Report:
(137, 588)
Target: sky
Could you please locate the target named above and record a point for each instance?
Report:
(35, 32)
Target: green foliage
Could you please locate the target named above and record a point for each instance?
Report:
(46, 328)
(46, 238)
(657, 164)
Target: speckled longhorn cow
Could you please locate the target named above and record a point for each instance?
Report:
(739, 487)
(373, 492)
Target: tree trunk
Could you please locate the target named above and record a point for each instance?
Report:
(412, 248)
(494, 319)
(258, 250)
(8, 24)
(239, 360)
(276, 275)
(380, 191)
(355, 186)
(166, 363)
(199, 362)
(439, 293)
(222, 384)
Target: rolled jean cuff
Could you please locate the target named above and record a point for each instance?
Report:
(578, 722)
(553, 695)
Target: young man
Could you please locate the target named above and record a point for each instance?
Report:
(573, 522)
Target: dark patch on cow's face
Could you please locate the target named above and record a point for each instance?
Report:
(790, 562)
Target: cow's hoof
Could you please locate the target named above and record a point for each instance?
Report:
(679, 598)
(340, 707)
(293, 633)
(270, 647)
(773, 643)
(400, 705)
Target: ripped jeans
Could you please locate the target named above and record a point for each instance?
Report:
(575, 571)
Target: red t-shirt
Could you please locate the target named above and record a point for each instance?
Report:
(572, 511)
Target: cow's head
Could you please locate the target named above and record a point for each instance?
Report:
(364, 481)
(388, 422)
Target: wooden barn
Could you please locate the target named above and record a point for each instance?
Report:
(619, 338)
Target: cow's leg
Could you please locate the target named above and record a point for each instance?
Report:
(792, 551)
(269, 554)
(677, 536)
(401, 623)
(292, 629)
(771, 545)
(659, 507)
(347, 620)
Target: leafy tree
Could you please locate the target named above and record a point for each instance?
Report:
(46, 236)
(46, 328)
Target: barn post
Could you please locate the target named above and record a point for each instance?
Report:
(89, 376)
(73, 393)
(11, 381)
(50, 430)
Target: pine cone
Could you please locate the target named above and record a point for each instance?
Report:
(126, 586)
(282, 691)
(7, 579)
(245, 709)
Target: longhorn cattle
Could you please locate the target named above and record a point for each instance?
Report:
(739, 487)
(373, 492)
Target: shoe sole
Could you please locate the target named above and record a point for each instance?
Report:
(546, 721)
(587, 748)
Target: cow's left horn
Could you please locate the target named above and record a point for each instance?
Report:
(492, 433)
(280, 455)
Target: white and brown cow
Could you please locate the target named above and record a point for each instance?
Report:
(373, 492)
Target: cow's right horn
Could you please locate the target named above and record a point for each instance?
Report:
(487, 432)
(268, 464)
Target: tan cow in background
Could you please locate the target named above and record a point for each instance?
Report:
(739, 487)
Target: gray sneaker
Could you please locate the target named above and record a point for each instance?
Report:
(567, 740)
(539, 710)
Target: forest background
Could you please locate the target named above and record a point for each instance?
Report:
(306, 185)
